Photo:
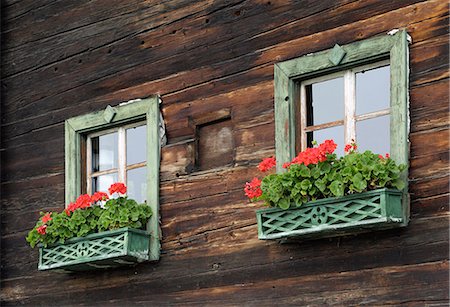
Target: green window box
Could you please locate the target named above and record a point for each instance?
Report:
(330, 217)
(125, 246)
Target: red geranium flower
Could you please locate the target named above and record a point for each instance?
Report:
(83, 201)
(381, 157)
(117, 187)
(71, 208)
(99, 196)
(253, 189)
(41, 229)
(351, 147)
(286, 164)
(267, 164)
(387, 156)
(46, 218)
(314, 155)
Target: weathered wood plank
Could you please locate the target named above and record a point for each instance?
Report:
(428, 106)
(429, 141)
(91, 31)
(348, 254)
(281, 54)
(434, 205)
(211, 254)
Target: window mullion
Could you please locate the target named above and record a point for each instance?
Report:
(89, 165)
(350, 107)
(303, 117)
(122, 156)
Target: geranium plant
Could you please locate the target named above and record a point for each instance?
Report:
(90, 214)
(317, 173)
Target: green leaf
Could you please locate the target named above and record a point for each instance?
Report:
(320, 184)
(337, 188)
(399, 184)
(359, 183)
(284, 203)
(315, 172)
(306, 184)
(325, 168)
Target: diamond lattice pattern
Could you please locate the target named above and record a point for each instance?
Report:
(67, 253)
(332, 214)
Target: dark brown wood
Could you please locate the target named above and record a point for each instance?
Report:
(214, 144)
(212, 63)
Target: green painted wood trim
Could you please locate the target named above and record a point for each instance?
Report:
(125, 113)
(72, 163)
(363, 51)
(399, 58)
(284, 120)
(77, 127)
(153, 164)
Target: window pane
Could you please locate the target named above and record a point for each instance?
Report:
(104, 152)
(137, 184)
(372, 90)
(326, 100)
(374, 134)
(335, 133)
(103, 182)
(136, 145)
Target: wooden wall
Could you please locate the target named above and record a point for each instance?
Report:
(65, 58)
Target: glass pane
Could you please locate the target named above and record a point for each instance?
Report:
(103, 182)
(137, 184)
(104, 152)
(326, 100)
(374, 134)
(372, 90)
(136, 145)
(335, 133)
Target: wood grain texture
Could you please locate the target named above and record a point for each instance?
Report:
(61, 59)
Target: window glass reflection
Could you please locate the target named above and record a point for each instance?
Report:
(372, 90)
(103, 182)
(136, 145)
(104, 152)
(325, 100)
(374, 134)
(137, 184)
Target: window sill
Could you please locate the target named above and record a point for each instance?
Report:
(125, 246)
(331, 217)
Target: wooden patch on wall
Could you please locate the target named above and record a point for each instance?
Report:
(214, 140)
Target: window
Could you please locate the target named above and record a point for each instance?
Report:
(345, 106)
(118, 144)
(356, 91)
(118, 155)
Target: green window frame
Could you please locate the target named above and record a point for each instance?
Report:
(76, 130)
(288, 76)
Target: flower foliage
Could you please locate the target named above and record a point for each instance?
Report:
(90, 214)
(317, 173)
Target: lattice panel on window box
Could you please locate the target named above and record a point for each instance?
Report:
(330, 217)
(107, 249)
